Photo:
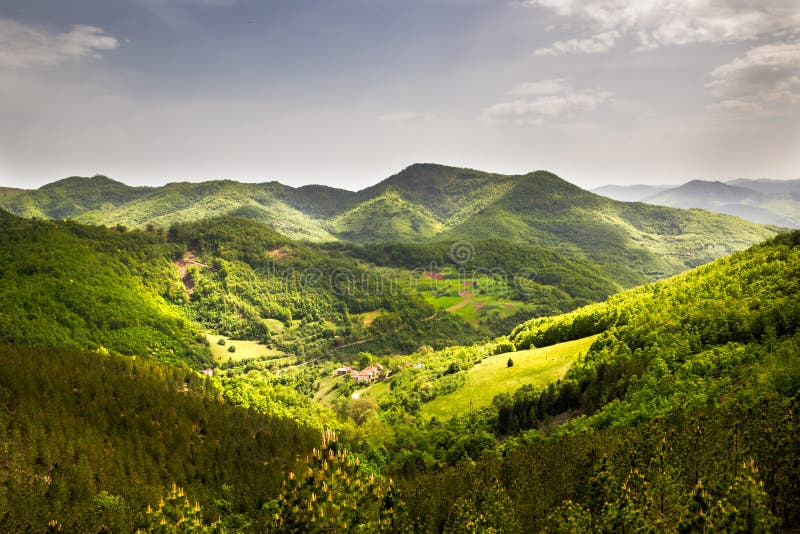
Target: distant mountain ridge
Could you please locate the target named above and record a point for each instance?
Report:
(775, 202)
(422, 203)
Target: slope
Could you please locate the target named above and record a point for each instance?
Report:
(386, 217)
(185, 202)
(641, 242)
(681, 413)
(90, 441)
(67, 285)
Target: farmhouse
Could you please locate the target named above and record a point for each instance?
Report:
(367, 374)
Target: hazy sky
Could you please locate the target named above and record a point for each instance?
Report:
(347, 92)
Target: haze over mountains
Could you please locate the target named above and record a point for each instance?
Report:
(774, 202)
(423, 203)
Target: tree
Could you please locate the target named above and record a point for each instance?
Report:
(510, 363)
(332, 493)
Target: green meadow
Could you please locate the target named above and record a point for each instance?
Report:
(491, 377)
(244, 350)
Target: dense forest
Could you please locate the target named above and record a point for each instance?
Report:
(675, 409)
(154, 291)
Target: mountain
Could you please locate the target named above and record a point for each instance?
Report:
(424, 202)
(630, 193)
(71, 197)
(701, 193)
(768, 187)
(772, 202)
(156, 293)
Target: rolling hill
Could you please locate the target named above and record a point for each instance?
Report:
(424, 202)
(772, 202)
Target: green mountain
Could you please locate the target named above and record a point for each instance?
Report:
(386, 217)
(72, 197)
(424, 202)
(681, 411)
(157, 293)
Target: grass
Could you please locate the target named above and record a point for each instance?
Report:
(245, 350)
(367, 318)
(493, 376)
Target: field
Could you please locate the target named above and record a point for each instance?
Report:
(245, 350)
(493, 376)
(472, 298)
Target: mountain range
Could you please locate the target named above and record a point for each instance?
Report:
(422, 203)
(775, 202)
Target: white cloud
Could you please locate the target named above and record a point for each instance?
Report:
(551, 99)
(22, 45)
(767, 75)
(658, 23)
(596, 44)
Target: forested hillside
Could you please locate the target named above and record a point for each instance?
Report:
(156, 292)
(90, 441)
(68, 285)
(424, 202)
(680, 416)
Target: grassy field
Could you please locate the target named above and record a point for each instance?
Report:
(471, 298)
(245, 350)
(493, 376)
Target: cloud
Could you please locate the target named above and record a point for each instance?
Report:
(543, 87)
(768, 73)
(550, 99)
(406, 116)
(22, 45)
(657, 23)
(596, 44)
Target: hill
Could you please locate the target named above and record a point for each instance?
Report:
(772, 202)
(68, 285)
(672, 403)
(424, 202)
(157, 293)
(89, 442)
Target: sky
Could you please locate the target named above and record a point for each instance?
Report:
(349, 92)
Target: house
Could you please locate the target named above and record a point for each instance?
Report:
(343, 370)
(370, 373)
(208, 372)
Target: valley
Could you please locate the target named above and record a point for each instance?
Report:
(484, 362)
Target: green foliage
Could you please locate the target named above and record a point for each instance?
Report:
(333, 492)
(707, 470)
(63, 284)
(676, 343)
(175, 514)
(91, 440)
